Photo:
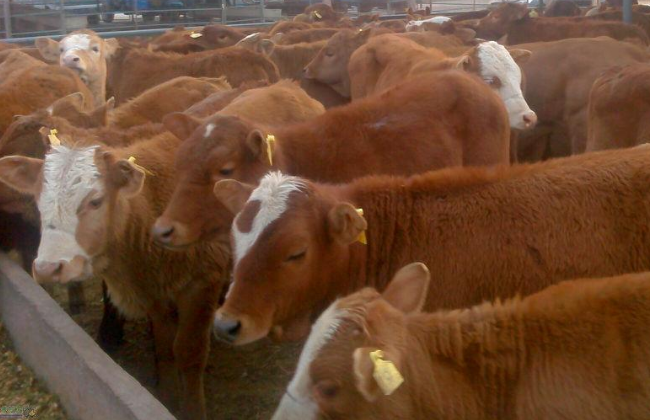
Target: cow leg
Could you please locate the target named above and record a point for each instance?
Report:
(111, 329)
(164, 326)
(196, 307)
(76, 298)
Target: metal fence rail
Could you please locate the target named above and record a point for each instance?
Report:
(23, 20)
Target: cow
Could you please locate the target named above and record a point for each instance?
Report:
(619, 108)
(298, 245)
(323, 93)
(96, 205)
(564, 352)
(15, 60)
(559, 76)
(287, 27)
(210, 37)
(306, 35)
(182, 222)
(512, 20)
(37, 87)
(219, 100)
(84, 52)
(365, 137)
(238, 65)
(175, 95)
(289, 59)
(417, 25)
(639, 19)
(387, 60)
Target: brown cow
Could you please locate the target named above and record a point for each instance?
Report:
(217, 101)
(96, 207)
(15, 61)
(576, 350)
(323, 93)
(84, 52)
(37, 87)
(287, 27)
(386, 60)
(307, 35)
(619, 108)
(532, 217)
(559, 76)
(289, 59)
(512, 20)
(172, 96)
(202, 160)
(364, 137)
(558, 8)
(238, 65)
(210, 37)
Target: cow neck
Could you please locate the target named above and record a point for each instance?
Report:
(485, 343)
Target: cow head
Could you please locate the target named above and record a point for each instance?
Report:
(220, 147)
(330, 66)
(497, 23)
(84, 52)
(77, 191)
(290, 242)
(334, 378)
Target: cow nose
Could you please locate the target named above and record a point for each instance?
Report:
(306, 73)
(45, 270)
(163, 232)
(530, 119)
(226, 328)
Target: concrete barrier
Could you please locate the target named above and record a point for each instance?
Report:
(90, 385)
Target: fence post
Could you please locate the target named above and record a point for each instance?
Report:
(64, 30)
(135, 13)
(224, 12)
(262, 7)
(627, 11)
(7, 17)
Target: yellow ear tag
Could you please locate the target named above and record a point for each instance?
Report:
(533, 14)
(195, 35)
(54, 140)
(270, 145)
(131, 160)
(318, 15)
(386, 374)
(362, 236)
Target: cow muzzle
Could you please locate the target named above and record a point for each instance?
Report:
(237, 330)
(61, 271)
(170, 234)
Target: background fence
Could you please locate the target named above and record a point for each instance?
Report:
(22, 19)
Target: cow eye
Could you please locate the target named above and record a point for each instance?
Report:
(96, 202)
(96, 48)
(495, 82)
(226, 171)
(297, 256)
(329, 53)
(326, 389)
(61, 49)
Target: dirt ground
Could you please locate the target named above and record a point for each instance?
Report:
(19, 388)
(243, 383)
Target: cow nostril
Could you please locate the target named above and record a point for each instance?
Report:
(76, 59)
(163, 233)
(227, 328)
(530, 119)
(48, 269)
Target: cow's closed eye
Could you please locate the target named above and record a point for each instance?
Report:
(297, 255)
(96, 203)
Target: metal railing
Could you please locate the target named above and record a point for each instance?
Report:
(23, 20)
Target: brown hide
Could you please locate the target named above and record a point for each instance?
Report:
(217, 101)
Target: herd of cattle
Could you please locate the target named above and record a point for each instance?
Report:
(212, 193)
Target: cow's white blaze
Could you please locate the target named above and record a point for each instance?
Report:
(273, 194)
(69, 175)
(415, 24)
(297, 403)
(496, 61)
(208, 130)
(75, 42)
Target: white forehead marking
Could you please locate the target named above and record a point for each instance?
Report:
(272, 193)
(76, 42)
(436, 19)
(496, 61)
(69, 175)
(321, 332)
(208, 130)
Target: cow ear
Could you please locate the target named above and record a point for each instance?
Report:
(277, 37)
(112, 45)
(267, 46)
(232, 194)
(21, 173)
(255, 141)
(466, 35)
(522, 11)
(363, 34)
(345, 223)
(124, 176)
(409, 288)
(181, 125)
(363, 374)
(48, 48)
(520, 56)
(463, 62)
(74, 99)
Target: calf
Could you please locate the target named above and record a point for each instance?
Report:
(387, 60)
(306, 35)
(486, 233)
(619, 108)
(238, 65)
(558, 8)
(84, 52)
(203, 159)
(217, 101)
(409, 129)
(559, 76)
(210, 37)
(289, 59)
(172, 96)
(575, 350)
(15, 61)
(96, 207)
(512, 20)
